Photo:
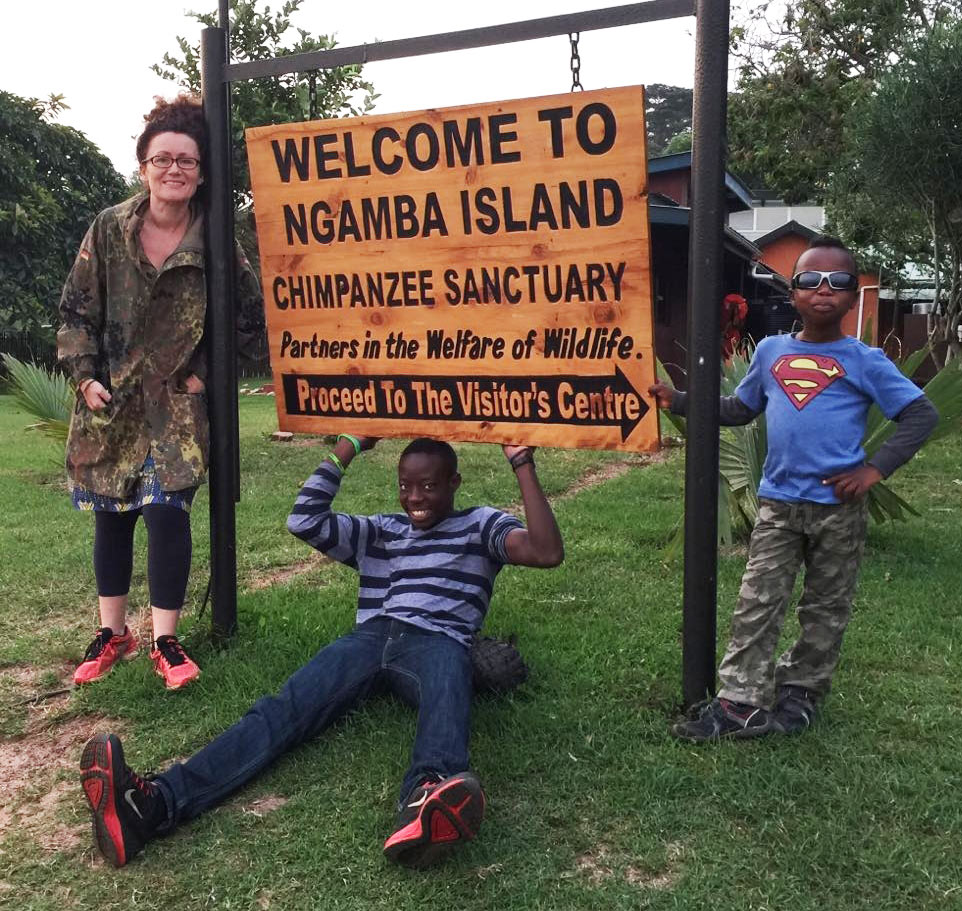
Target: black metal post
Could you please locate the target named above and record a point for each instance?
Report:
(704, 348)
(223, 22)
(221, 334)
(528, 30)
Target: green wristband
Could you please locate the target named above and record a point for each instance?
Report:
(354, 441)
(337, 462)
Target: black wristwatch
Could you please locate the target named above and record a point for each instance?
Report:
(522, 458)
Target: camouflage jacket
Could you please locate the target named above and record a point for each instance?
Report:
(139, 331)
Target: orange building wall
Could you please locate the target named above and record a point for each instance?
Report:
(781, 254)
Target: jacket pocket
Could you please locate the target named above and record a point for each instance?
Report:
(190, 426)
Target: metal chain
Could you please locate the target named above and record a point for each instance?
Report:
(576, 85)
(312, 95)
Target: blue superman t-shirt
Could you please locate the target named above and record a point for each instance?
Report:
(816, 398)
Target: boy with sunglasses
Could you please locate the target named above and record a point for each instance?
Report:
(815, 388)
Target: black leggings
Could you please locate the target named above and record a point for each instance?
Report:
(168, 553)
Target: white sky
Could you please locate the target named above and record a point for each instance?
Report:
(98, 55)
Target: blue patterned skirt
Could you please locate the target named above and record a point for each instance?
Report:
(148, 491)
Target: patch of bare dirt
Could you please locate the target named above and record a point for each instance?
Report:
(663, 879)
(595, 865)
(20, 676)
(643, 880)
(609, 471)
(39, 774)
(282, 575)
(311, 441)
(601, 864)
(30, 696)
(605, 472)
(264, 805)
(489, 870)
(51, 833)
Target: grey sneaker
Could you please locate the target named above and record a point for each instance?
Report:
(721, 718)
(794, 709)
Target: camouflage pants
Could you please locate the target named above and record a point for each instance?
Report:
(829, 540)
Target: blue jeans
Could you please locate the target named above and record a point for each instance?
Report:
(428, 670)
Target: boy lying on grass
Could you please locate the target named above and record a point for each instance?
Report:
(426, 578)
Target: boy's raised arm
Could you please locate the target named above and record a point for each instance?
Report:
(539, 544)
(312, 519)
(345, 450)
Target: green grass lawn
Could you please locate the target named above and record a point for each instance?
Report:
(591, 804)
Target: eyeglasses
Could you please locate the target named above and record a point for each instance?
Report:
(184, 162)
(837, 281)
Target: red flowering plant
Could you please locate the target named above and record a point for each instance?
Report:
(734, 309)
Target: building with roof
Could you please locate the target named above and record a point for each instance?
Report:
(669, 211)
(780, 248)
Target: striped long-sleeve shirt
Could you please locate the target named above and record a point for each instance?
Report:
(440, 578)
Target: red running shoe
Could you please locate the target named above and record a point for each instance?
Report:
(438, 816)
(172, 663)
(127, 810)
(104, 652)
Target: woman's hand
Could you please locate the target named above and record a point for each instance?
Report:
(95, 395)
(194, 384)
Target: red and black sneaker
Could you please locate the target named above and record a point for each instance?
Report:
(105, 651)
(437, 816)
(172, 662)
(127, 810)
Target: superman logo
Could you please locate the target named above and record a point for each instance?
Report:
(803, 376)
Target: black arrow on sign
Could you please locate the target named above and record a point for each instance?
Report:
(596, 401)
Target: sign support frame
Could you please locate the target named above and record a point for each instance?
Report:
(705, 260)
(705, 265)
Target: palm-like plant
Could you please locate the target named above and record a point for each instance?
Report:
(46, 395)
(741, 453)
(742, 449)
(944, 391)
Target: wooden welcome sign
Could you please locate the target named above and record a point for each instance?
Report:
(472, 273)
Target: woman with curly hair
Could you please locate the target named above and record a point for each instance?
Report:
(132, 338)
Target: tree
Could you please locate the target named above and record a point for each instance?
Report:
(258, 35)
(804, 67)
(53, 181)
(680, 142)
(905, 163)
(667, 113)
